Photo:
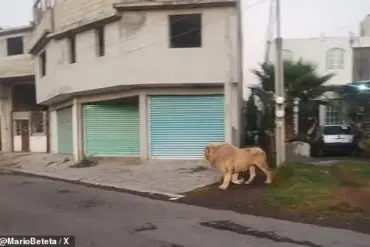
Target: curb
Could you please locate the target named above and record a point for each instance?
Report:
(149, 194)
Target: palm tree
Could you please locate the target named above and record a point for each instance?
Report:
(301, 82)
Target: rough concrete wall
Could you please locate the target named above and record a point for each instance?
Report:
(6, 122)
(133, 46)
(18, 65)
(72, 13)
(45, 24)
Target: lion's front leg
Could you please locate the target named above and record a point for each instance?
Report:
(235, 180)
(226, 181)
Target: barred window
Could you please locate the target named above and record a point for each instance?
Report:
(18, 127)
(335, 59)
(332, 116)
(37, 123)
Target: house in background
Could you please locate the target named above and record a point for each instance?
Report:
(149, 79)
(23, 122)
(347, 57)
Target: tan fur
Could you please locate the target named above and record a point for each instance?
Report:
(231, 161)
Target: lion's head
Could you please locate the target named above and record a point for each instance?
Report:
(210, 152)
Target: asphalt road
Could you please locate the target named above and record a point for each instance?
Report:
(36, 206)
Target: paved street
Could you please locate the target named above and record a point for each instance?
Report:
(105, 218)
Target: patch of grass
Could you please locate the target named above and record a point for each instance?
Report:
(342, 189)
(298, 183)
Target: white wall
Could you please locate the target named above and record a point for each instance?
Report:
(53, 132)
(314, 50)
(137, 52)
(38, 144)
(17, 142)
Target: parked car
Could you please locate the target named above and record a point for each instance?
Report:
(333, 138)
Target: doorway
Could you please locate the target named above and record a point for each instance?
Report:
(22, 130)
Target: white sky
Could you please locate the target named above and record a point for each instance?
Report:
(300, 18)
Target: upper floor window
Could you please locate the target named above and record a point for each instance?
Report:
(335, 59)
(14, 46)
(287, 55)
(185, 30)
(72, 49)
(43, 64)
(100, 42)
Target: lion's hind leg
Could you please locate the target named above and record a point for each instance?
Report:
(235, 180)
(252, 174)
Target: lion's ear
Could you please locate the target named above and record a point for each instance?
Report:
(207, 151)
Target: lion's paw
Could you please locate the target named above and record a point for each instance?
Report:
(223, 186)
(239, 181)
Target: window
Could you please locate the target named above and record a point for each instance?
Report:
(335, 59)
(72, 49)
(337, 130)
(43, 63)
(18, 127)
(14, 46)
(100, 44)
(185, 31)
(287, 55)
(332, 115)
(37, 123)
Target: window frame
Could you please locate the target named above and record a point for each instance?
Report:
(31, 122)
(173, 19)
(333, 55)
(8, 44)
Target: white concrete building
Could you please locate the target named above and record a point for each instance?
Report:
(152, 79)
(23, 122)
(330, 55)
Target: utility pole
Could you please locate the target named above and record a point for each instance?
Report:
(279, 93)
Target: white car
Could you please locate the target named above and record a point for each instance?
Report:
(333, 138)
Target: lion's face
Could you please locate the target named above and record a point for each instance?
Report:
(208, 154)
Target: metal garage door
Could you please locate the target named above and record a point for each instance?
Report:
(65, 132)
(111, 130)
(180, 126)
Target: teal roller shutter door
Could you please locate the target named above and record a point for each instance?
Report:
(111, 130)
(181, 126)
(64, 129)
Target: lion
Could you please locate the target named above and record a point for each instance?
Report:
(231, 160)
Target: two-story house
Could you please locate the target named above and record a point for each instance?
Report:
(23, 122)
(149, 79)
(331, 55)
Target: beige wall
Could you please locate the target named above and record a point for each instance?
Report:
(18, 65)
(137, 53)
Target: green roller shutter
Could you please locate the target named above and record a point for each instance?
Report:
(64, 129)
(181, 125)
(111, 130)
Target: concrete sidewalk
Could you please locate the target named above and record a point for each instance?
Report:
(165, 177)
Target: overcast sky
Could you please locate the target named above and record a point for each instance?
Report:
(300, 18)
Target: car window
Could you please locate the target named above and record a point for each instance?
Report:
(337, 130)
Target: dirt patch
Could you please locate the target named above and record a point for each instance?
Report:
(309, 194)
